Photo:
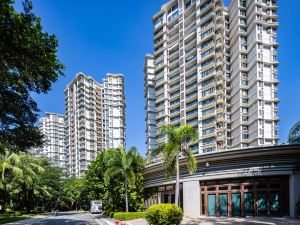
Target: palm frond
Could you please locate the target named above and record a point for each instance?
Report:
(191, 162)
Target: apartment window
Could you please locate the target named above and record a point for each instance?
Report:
(243, 22)
(244, 47)
(244, 74)
(242, 12)
(207, 72)
(245, 136)
(206, 4)
(207, 52)
(208, 111)
(244, 101)
(173, 16)
(208, 141)
(207, 62)
(244, 118)
(208, 101)
(208, 131)
(243, 3)
(244, 92)
(158, 22)
(189, 3)
(208, 121)
(244, 82)
(243, 57)
(206, 33)
(208, 91)
(206, 43)
(244, 110)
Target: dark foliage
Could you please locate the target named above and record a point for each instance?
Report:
(28, 64)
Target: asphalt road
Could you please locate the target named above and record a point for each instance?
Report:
(70, 218)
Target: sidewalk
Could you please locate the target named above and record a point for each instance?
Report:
(229, 221)
(244, 221)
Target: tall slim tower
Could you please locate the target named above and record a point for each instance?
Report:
(216, 70)
(92, 123)
(52, 128)
(149, 83)
(114, 110)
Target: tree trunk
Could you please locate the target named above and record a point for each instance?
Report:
(177, 181)
(126, 193)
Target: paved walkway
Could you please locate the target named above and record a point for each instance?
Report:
(244, 221)
(229, 221)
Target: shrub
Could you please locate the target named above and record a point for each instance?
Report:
(8, 210)
(129, 215)
(19, 213)
(164, 214)
(111, 214)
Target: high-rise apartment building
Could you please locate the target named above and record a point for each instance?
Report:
(149, 95)
(216, 69)
(52, 128)
(95, 119)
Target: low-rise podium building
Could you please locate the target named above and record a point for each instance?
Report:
(262, 181)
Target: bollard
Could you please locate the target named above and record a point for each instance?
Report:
(117, 222)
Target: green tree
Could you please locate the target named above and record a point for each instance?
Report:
(176, 145)
(25, 186)
(9, 167)
(122, 163)
(28, 64)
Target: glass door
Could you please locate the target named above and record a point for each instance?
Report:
(173, 198)
(223, 204)
(249, 203)
(211, 207)
(275, 203)
(236, 204)
(166, 198)
(262, 199)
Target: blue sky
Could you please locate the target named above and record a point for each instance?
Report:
(97, 37)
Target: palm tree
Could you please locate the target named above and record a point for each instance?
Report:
(120, 162)
(31, 169)
(176, 145)
(9, 165)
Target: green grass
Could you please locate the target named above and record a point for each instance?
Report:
(11, 218)
(128, 215)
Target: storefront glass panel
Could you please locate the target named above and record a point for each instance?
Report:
(236, 204)
(223, 204)
(262, 199)
(248, 203)
(274, 203)
(211, 204)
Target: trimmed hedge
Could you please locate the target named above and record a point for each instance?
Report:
(129, 215)
(164, 214)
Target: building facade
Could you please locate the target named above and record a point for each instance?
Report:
(114, 111)
(52, 128)
(95, 119)
(262, 181)
(149, 95)
(215, 69)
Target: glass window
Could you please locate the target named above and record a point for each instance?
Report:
(211, 203)
(236, 204)
(275, 203)
(248, 203)
(223, 204)
(262, 203)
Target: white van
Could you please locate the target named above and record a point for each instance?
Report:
(96, 206)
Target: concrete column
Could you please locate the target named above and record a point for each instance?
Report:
(191, 198)
(294, 186)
